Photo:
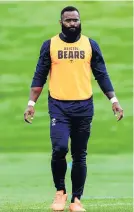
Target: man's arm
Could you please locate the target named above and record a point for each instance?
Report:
(101, 75)
(39, 79)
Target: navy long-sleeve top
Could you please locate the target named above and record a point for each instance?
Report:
(97, 65)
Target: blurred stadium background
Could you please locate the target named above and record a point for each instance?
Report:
(25, 150)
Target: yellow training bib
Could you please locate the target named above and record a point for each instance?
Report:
(70, 74)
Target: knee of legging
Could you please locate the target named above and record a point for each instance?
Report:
(79, 156)
(59, 152)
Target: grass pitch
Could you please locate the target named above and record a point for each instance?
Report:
(26, 183)
(23, 28)
(25, 177)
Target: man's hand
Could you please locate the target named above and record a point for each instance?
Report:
(29, 113)
(118, 111)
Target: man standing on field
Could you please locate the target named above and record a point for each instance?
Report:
(69, 58)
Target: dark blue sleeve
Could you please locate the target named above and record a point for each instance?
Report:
(43, 66)
(99, 69)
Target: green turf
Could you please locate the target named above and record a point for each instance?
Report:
(95, 205)
(25, 178)
(26, 182)
(24, 26)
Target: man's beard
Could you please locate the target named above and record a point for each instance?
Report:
(71, 32)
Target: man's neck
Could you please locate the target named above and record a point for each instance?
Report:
(68, 40)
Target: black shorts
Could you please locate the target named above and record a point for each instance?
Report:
(70, 119)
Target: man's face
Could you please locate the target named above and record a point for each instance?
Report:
(70, 23)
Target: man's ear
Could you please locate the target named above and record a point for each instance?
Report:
(60, 22)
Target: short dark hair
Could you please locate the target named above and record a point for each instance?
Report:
(69, 8)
